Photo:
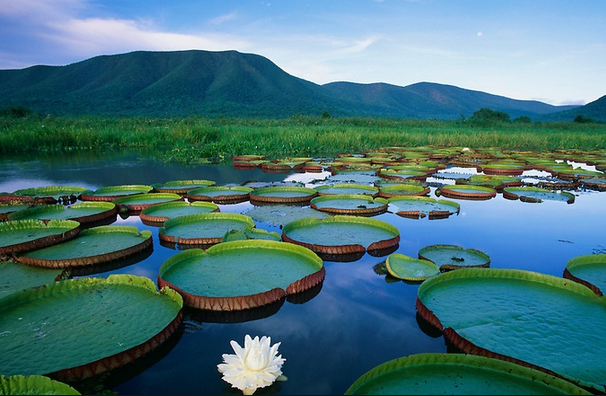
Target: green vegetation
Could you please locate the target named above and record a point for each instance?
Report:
(196, 139)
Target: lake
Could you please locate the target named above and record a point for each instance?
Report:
(358, 317)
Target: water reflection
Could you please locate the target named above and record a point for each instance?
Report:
(358, 318)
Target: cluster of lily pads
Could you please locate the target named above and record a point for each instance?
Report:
(50, 234)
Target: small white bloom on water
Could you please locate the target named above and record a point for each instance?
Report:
(257, 365)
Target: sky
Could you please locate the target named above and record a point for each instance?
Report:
(553, 51)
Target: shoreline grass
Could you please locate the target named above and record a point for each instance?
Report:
(191, 139)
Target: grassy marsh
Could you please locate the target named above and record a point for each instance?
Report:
(191, 139)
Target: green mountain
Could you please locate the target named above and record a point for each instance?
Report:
(595, 110)
(234, 84)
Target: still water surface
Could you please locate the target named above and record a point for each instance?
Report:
(358, 317)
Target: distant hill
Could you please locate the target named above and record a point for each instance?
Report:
(595, 110)
(234, 84)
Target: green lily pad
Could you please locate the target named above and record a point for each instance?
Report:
(92, 246)
(220, 194)
(589, 270)
(109, 193)
(241, 274)
(16, 276)
(341, 234)
(82, 212)
(280, 194)
(360, 205)
(398, 189)
(467, 191)
(125, 316)
(450, 257)
(458, 374)
(410, 269)
(403, 174)
(53, 194)
(34, 385)
(138, 202)
(347, 189)
(279, 215)
(202, 228)
(24, 235)
(251, 233)
(537, 320)
(156, 215)
(8, 208)
(181, 186)
(419, 206)
(537, 194)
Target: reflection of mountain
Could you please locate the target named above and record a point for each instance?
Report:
(233, 84)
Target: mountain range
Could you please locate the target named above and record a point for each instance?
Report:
(235, 84)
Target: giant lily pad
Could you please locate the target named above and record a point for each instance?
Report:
(280, 214)
(181, 186)
(407, 189)
(79, 328)
(342, 234)
(537, 194)
(251, 233)
(449, 257)
(419, 206)
(458, 374)
(24, 235)
(16, 276)
(589, 270)
(53, 194)
(82, 212)
(281, 194)
(34, 385)
(467, 191)
(110, 193)
(220, 194)
(202, 228)
(537, 320)
(241, 274)
(92, 246)
(138, 202)
(361, 205)
(11, 207)
(347, 189)
(156, 215)
(409, 268)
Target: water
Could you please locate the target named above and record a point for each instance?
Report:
(358, 317)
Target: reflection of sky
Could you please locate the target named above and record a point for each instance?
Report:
(358, 320)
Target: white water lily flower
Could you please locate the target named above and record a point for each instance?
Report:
(257, 365)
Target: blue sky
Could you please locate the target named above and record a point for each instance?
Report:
(548, 50)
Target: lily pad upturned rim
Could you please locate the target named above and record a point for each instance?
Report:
(152, 215)
(450, 266)
(68, 230)
(244, 301)
(514, 193)
(306, 194)
(104, 211)
(346, 249)
(381, 204)
(395, 269)
(138, 202)
(576, 264)
(413, 375)
(104, 360)
(49, 193)
(482, 279)
(467, 191)
(232, 194)
(145, 241)
(109, 193)
(433, 214)
(164, 233)
(181, 186)
(403, 189)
